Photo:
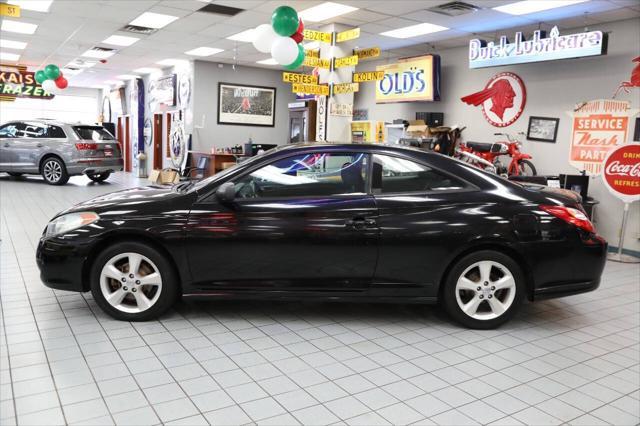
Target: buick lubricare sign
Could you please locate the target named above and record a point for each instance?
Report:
(410, 80)
(621, 173)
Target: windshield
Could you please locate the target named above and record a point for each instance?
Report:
(96, 133)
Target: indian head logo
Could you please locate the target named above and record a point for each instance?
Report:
(502, 99)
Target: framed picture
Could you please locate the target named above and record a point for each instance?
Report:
(543, 129)
(636, 130)
(246, 105)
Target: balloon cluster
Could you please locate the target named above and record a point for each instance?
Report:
(51, 79)
(282, 38)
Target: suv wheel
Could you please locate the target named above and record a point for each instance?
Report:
(54, 172)
(484, 289)
(99, 177)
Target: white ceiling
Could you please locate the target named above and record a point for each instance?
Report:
(73, 26)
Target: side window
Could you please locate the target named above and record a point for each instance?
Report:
(56, 132)
(318, 174)
(33, 130)
(11, 130)
(394, 174)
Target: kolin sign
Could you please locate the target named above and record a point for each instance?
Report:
(410, 80)
(622, 172)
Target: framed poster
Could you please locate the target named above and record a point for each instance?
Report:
(415, 79)
(246, 105)
(543, 129)
(163, 90)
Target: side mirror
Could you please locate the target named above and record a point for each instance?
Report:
(226, 192)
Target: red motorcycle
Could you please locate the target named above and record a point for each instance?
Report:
(490, 153)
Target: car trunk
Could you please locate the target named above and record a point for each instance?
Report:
(96, 142)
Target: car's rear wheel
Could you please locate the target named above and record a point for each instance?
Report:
(133, 282)
(99, 177)
(484, 289)
(54, 171)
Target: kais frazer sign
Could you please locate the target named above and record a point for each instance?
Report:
(17, 82)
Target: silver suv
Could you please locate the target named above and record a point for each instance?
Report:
(58, 150)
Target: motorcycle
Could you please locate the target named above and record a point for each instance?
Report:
(490, 153)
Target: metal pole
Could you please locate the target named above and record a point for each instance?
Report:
(619, 257)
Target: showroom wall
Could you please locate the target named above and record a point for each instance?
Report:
(207, 75)
(553, 88)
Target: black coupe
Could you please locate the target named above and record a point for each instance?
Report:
(347, 222)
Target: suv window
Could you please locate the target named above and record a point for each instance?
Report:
(394, 174)
(96, 133)
(317, 174)
(56, 132)
(34, 130)
(11, 130)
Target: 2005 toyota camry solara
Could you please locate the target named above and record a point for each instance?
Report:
(328, 222)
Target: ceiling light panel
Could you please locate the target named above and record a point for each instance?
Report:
(204, 51)
(172, 62)
(8, 56)
(245, 36)
(12, 44)
(114, 82)
(414, 30)
(532, 6)
(18, 27)
(147, 70)
(126, 76)
(99, 54)
(35, 5)
(118, 40)
(324, 11)
(153, 20)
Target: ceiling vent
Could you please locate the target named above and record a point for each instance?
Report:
(454, 8)
(220, 10)
(138, 30)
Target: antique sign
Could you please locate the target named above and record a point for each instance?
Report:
(410, 80)
(342, 88)
(348, 35)
(9, 10)
(317, 62)
(321, 119)
(502, 100)
(372, 52)
(292, 77)
(313, 89)
(621, 172)
(360, 77)
(347, 61)
(17, 82)
(317, 36)
(343, 110)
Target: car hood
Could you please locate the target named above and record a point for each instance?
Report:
(132, 201)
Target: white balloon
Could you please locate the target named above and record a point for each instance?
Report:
(50, 86)
(284, 50)
(264, 37)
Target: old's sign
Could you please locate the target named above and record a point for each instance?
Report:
(317, 36)
(312, 89)
(292, 77)
(341, 88)
(347, 61)
(372, 52)
(348, 35)
(361, 77)
(317, 62)
(17, 82)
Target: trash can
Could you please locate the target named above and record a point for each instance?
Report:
(142, 164)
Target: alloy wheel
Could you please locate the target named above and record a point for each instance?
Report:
(52, 171)
(485, 290)
(130, 282)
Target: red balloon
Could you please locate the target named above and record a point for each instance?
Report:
(298, 37)
(300, 26)
(61, 82)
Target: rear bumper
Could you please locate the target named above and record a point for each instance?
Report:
(95, 165)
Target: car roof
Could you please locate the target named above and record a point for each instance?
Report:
(333, 146)
(51, 121)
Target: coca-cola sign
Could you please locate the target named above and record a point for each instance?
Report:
(621, 173)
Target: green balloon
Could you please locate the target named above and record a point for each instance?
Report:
(52, 71)
(284, 21)
(299, 60)
(40, 76)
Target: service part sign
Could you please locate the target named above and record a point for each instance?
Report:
(410, 80)
(621, 173)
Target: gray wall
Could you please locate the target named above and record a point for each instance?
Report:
(553, 88)
(207, 75)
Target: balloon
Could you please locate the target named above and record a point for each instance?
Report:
(61, 82)
(40, 76)
(264, 38)
(50, 86)
(284, 50)
(299, 60)
(300, 27)
(52, 71)
(285, 21)
(298, 37)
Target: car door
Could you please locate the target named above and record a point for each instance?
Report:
(28, 147)
(421, 215)
(304, 223)
(9, 134)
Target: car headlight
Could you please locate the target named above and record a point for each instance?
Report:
(69, 222)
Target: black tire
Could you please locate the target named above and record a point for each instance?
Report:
(170, 283)
(58, 174)
(99, 177)
(523, 165)
(448, 294)
(14, 174)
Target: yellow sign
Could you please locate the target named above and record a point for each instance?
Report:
(310, 89)
(360, 77)
(347, 61)
(292, 77)
(9, 10)
(372, 52)
(317, 36)
(348, 35)
(410, 80)
(317, 62)
(339, 89)
(314, 53)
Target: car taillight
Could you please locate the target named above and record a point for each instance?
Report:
(570, 215)
(83, 146)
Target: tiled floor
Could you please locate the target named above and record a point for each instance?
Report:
(573, 360)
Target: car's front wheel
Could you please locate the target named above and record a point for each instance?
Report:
(484, 289)
(133, 282)
(99, 177)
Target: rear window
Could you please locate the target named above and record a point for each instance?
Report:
(96, 133)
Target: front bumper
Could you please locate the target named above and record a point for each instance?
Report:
(61, 264)
(95, 165)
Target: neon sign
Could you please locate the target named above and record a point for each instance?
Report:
(540, 48)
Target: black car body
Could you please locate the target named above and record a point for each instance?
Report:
(386, 237)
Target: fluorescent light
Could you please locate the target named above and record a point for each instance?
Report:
(118, 40)
(114, 82)
(18, 27)
(100, 54)
(269, 61)
(414, 30)
(245, 36)
(324, 11)
(35, 5)
(172, 62)
(147, 70)
(7, 56)
(12, 44)
(153, 20)
(79, 63)
(126, 76)
(204, 51)
(532, 6)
